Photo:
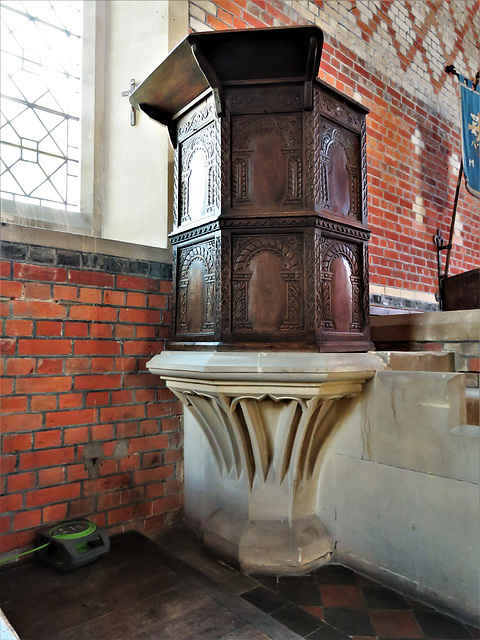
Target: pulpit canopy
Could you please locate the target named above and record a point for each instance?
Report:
(215, 59)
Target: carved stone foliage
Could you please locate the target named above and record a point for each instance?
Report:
(196, 291)
(342, 286)
(339, 172)
(199, 174)
(272, 435)
(267, 160)
(267, 283)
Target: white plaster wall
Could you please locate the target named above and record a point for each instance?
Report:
(399, 489)
(136, 158)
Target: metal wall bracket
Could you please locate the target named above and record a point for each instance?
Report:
(126, 94)
(438, 240)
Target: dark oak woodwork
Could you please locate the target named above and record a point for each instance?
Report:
(270, 237)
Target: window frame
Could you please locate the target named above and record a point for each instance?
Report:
(87, 220)
(104, 36)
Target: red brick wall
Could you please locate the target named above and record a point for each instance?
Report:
(390, 56)
(85, 430)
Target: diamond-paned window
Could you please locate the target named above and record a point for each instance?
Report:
(41, 55)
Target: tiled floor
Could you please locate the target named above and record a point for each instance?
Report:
(356, 607)
(332, 603)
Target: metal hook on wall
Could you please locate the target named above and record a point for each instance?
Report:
(126, 94)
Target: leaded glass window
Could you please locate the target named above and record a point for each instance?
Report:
(41, 54)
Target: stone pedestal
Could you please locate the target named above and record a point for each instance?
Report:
(267, 418)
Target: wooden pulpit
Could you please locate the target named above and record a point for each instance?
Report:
(270, 236)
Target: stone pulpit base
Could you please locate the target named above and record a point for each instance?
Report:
(267, 419)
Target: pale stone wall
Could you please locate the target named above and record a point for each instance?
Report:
(457, 332)
(399, 489)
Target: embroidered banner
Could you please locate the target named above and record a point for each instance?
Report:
(470, 105)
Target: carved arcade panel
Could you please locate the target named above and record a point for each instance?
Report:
(267, 168)
(339, 171)
(196, 291)
(270, 194)
(272, 275)
(267, 284)
(342, 286)
(198, 166)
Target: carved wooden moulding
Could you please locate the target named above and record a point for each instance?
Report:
(270, 237)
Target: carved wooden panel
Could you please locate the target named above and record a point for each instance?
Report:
(225, 284)
(196, 291)
(312, 155)
(267, 169)
(270, 232)
(196, 119)
(339, 172)
(337, 109)
(342, 286)
(310, 243)
(198, 170)
(267, 283)
(269, 99)
(225, 160)
(363, 154)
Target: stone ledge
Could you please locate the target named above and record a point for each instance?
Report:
(275, 366)
(436, 326)
(419, 360)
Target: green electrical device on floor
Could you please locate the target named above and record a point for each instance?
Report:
(72, 544)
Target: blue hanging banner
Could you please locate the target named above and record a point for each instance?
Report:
(470, 105)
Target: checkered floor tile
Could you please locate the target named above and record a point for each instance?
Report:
(335, 603)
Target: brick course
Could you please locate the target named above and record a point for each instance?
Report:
(85, 430)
